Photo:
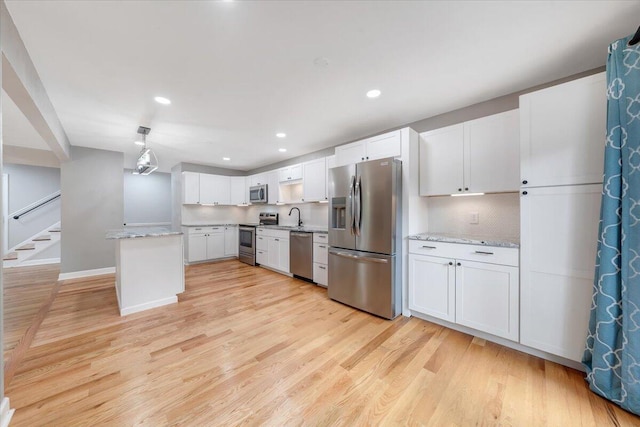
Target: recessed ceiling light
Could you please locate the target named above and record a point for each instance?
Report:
(373, 93)
(138, 142)
(162, 100)
(226, 159)
(281, 135)
(282, 150)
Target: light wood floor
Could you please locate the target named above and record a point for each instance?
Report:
(248, 346)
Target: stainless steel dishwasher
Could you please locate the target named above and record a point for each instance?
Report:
(301, 254)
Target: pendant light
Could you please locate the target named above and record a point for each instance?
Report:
(147, 161)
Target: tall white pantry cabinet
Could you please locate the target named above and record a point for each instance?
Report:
(563, 130)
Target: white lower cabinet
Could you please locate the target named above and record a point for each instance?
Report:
(272, 248)
(432, 286)
(208, 243)
(474, 286)
(320, 258)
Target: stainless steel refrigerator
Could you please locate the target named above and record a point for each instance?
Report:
(364, 236)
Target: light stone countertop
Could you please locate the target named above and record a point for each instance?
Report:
(211, 225)
(469, 240)
(309, 229)
(137, 232)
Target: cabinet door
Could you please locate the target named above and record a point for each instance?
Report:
(331, 162)
(283, 255)
(273, 188)
(257, 179)
(238, 190)
(315, 180)
(563, 131)
(197, 247)
(295, 172)
(190, 188)
(432, 286)
(214, 189)
(350, 153)
(215, 245)
(492, 153)
(487, 298)
(273, 252)
(559, 229)
(231, 241)
(441, 161)
(385, 145)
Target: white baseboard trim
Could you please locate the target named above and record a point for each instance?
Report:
(5, 412)
(502, 341)
(148, 305)
(86, 273)
(44, 261)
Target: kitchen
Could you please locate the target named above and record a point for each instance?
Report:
(495, 215)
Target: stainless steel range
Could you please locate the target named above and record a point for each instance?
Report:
(247, 237)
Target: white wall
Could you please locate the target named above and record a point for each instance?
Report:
(499, 216)
(28, 184)
(147, 198)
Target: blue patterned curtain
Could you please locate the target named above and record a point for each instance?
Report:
(612, 355)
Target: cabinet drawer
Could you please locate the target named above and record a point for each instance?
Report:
(261, 231)
(278, 234)
(207, 229)
(320, 274)
(490, 254)
(261, 257)
(320, 253)
(320, 238)
(261, 243)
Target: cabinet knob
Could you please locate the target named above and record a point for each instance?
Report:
(525, 181)
(362, 158)
(466, 188)
(303, 200)
(367, 157)
(459, 189)
(458, 264)
(524, 193)
(450, 263)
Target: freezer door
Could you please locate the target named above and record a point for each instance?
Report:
(376, 201)
(341, 190)
(364, 281)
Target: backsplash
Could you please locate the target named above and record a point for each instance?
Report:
(312, 214)
(196, 214)
(498, 215)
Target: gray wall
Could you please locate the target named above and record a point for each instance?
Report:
(28, 184)
(92, 202)
(147, 198)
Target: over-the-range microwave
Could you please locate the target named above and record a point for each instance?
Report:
(258, 194)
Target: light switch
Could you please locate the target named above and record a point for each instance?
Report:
(474, 218)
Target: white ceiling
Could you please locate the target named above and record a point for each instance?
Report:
(16, 129)
(238, 72)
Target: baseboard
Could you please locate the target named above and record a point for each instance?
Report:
(148, 305)
(33, 262)
(502, 341)
(5, 412)
(86, 273)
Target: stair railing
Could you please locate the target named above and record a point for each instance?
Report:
(17, 214)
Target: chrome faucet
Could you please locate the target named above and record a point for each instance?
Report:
(299, 219)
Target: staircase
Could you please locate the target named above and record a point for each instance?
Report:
(21, 255)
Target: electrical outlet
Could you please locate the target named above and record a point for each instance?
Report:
(474, 218)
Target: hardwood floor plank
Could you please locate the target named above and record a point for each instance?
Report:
(247, 346)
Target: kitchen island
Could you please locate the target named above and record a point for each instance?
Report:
(149, 267)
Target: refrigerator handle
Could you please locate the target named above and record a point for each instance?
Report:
(352, 185)
(360, 257)
(358, 203)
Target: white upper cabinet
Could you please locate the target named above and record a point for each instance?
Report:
(273, 187)
(376, 147)
(258, 179)
(215, 189)
(331, 162)
(563, 131)
(441, 161)
(478, 156)
(239, 194)
(350, 153)
(190, 187)
(492, 153)
(315, 180)
(381, 146)
(291, 173)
